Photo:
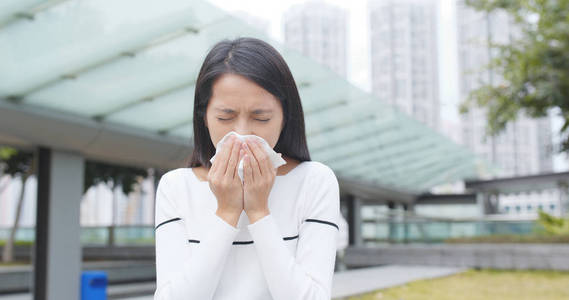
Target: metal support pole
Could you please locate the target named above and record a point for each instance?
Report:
(57, 248)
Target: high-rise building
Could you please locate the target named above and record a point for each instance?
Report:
(525, 146)
(318, 30)
(404, 62)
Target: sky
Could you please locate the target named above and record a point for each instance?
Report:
(359, 72)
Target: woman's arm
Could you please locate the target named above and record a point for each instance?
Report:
(182, 273)
(309, 275)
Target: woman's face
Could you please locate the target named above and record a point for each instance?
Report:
(238, 104)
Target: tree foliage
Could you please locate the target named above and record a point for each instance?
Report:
(96, 172)
(552, 224)
(22, 163)
(534, 66)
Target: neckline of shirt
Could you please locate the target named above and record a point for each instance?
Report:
(277, 176)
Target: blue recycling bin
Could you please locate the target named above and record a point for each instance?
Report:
(93, 285)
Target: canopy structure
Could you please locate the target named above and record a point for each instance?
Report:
(115, 80)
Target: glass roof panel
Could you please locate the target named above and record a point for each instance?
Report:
(75, 35)
(169, 110)
(12, 10)
(135, 63)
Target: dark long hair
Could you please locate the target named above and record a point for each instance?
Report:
(261, 63)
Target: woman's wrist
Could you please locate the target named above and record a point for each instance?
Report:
(231, 217)
(254, 216)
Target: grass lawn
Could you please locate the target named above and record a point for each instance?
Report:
(482, 284)
(11, 264)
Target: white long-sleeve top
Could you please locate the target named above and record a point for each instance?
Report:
(286, 255)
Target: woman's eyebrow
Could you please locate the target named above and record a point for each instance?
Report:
(262, 111)
(225, 110)
(257, 111)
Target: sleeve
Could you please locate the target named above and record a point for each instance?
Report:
(181, 273)
(309, 275)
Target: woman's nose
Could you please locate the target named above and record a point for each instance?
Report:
(242, 130)
(242, 127)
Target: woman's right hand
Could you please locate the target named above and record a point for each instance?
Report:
(225, 183)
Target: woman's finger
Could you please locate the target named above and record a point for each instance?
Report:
(233, 159)
(261, 156)
(247, 171)
(224, 154)
(253, 160)
(218, 163)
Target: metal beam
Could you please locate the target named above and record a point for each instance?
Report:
(429, 199)
(374, 193)
(28, 13)
(519, 183)
(95, 140)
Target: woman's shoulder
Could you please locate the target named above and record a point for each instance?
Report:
(175, 175)
(322, 193)
(318, 167)
(319, 171)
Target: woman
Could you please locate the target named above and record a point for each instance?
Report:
(272, 236)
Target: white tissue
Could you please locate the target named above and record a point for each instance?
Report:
(274, 157)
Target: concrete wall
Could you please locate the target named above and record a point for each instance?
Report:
(496, 256)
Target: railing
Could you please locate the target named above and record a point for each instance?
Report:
(433, 232)
(392, 228)
(399, 227)
(127, 235)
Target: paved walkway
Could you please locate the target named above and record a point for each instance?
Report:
(359, 281)
(346, 283)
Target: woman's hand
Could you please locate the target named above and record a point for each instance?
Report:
(258, 178)
(225, 183)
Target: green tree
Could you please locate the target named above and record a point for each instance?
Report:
(18, 163)
(553, 225)
(534, 66)
(113, 175)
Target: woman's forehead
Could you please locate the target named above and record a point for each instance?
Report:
(236, 84)
(235, 92)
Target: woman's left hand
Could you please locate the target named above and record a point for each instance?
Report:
(258, 179)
